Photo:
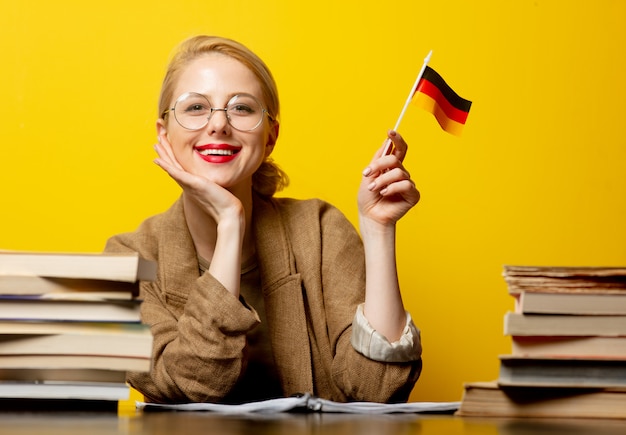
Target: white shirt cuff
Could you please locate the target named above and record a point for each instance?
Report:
(375, 346)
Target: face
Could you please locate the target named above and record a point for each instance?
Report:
(217, 151)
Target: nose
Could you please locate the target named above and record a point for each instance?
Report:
(217, 122)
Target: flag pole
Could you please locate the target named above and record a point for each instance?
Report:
(388, 143)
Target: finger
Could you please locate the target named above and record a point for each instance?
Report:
(384, 164)
(405, 189)
(163, 159)
(386, 178)
(394, 146)
(165, 152)
(183, 178)
(386, 149)
(166, 149)
(400, 146)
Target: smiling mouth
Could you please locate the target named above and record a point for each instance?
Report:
(217, 152)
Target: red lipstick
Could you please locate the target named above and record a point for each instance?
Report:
(217, 153)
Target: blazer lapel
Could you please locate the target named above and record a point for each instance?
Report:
(284, 301)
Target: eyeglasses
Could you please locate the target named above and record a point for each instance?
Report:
(193, 111)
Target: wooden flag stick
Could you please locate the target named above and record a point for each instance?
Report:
(388, 144)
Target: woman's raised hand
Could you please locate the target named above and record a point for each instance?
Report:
(387, 192)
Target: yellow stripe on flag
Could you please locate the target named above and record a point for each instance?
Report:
(427, 103)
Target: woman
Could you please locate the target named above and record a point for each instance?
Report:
(260, 297)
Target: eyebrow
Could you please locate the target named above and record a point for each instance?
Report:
(228, 96)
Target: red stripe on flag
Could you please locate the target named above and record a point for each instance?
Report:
(433, 91)
(429, 104)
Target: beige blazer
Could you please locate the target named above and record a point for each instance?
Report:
(312, 273)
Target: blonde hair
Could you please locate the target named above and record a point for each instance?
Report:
(269, 178)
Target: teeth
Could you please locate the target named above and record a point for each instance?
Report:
(213, 152)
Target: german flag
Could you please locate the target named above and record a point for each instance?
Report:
(434, 95)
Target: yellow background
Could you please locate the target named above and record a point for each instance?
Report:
(538, 176)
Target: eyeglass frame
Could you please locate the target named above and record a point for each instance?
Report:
(264, 111)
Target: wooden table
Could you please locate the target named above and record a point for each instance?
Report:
(29, 422)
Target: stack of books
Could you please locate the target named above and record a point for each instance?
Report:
(568, 355)
(70, 326)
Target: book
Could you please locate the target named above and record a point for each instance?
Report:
(75, 362)
(306, 403)
(59, 288)
(574, 304)
(563, 325)
(62, 375)
(35, 308)
(572, 347)
(62, 338)
(70, 325)
(487, 399)
(52, 406)
(37, 327)
(565, 279)
(61, 390)
(128, 267)
(562, 372)
(569, 341)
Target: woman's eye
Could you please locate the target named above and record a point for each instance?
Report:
(196, 108)
(241, 109)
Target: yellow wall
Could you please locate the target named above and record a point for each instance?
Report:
(537, 178)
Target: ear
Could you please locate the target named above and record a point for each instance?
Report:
(161, 130)
(272, 138)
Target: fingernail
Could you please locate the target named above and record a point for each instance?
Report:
(383, 191)
(372, 185)
(367, 171)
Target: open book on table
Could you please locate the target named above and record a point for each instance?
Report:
(308, 403)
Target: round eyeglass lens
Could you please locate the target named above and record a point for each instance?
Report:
(244, 112)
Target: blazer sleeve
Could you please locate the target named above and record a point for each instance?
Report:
(198, 333)
(372, 344)
(343, 276)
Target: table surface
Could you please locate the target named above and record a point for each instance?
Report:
(30, 422)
